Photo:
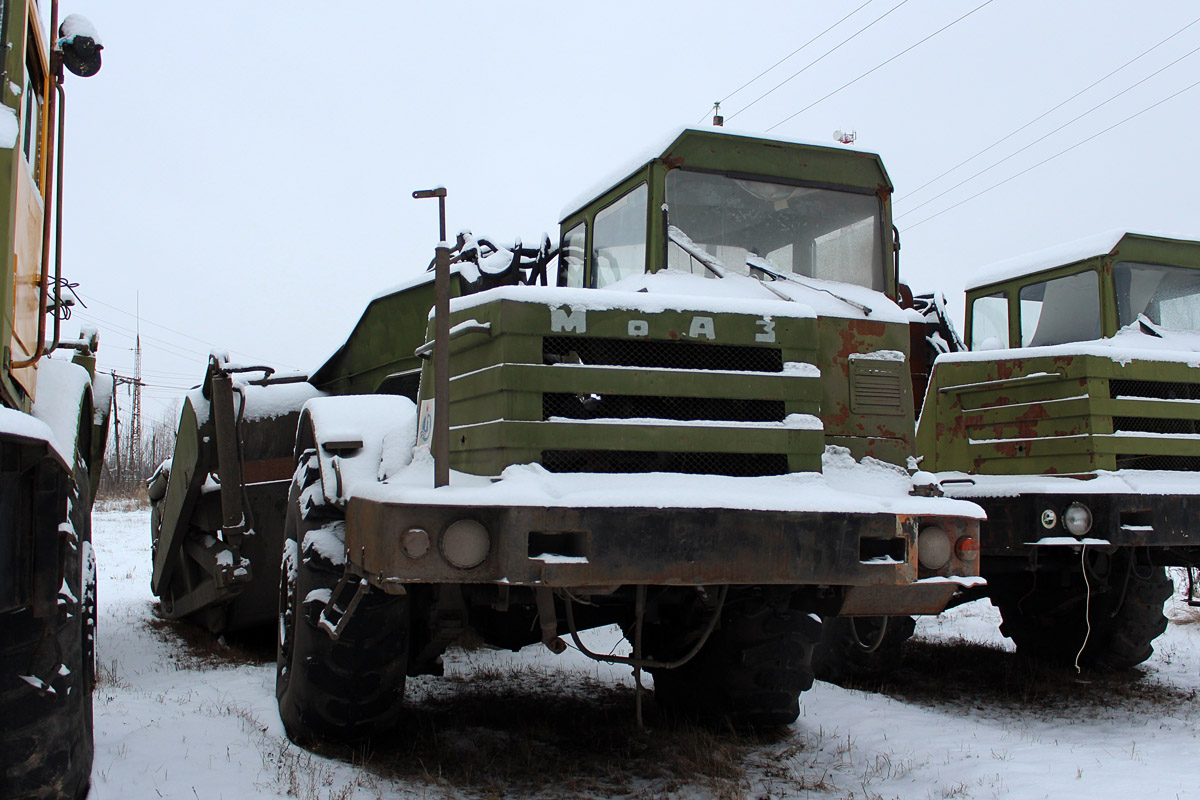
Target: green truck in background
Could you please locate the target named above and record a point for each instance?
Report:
(691, 419)
(1074, 421)
(53, 428)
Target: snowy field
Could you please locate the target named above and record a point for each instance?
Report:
(181, 716)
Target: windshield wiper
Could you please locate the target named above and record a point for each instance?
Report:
(711, 262)
(765, 267)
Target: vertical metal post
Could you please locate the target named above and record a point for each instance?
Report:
(229, 462)
(441, 344)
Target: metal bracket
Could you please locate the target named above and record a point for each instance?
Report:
(461, 329)
(548, 619)
(335, 629)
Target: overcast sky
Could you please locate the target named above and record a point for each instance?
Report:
(243, 170)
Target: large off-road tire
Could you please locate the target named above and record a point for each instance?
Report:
(856, 649)
(753, 668)
(345, 690)
(47, 671)
(1047, 620)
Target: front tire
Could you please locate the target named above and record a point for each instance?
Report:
(345, 690)
(47, 672)
(751, 671)
(861, 648)
(1048, 619)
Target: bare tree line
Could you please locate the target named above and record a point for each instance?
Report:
(128, 463)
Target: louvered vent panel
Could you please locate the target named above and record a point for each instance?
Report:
(876, 387)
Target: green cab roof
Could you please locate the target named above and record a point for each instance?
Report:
(722, 150)
(1115, 245)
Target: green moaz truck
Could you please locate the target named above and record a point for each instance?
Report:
(691, 419)
(1074, 421)
(53, 428)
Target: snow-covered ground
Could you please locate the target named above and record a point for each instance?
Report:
(179, 717)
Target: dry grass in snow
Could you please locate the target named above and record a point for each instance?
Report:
(182, 714)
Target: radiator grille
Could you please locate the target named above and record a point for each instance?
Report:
(1173, 463)
(610, 406)
(1155, 425)
(734, 464)
(660, 354)
(1158, 390)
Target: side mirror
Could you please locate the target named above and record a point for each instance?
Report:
(80, 45)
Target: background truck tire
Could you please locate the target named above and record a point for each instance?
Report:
(1047, 622)
(347, 690)
(753, 668)
(851, 648)
(47, 671)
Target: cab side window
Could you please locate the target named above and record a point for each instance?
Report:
(1061, 310)
(571, 256)
(31, 127)
(989, 322)
(619, 238)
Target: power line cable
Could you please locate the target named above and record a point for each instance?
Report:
(117, 330)
(884, 64)
(177, 333)
(819, 58)
(1048, 135)
(789, 55)
(1051, 111)
(1056, 155)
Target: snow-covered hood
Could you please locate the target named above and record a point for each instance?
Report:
(672, 290)
(1140, 341)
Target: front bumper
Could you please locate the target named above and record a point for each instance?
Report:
(1015, 524)
(607, 547)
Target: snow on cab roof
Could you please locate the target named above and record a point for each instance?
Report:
(648, 154)
(1099, 244)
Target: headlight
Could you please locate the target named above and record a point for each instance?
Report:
(465, 543)
(414, 542)
(933, 548)
(1077, 519)
(1049, 519)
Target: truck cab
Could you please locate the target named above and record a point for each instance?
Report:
(1074, 420)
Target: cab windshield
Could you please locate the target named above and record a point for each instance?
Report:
(818, 233)
(1167, 296)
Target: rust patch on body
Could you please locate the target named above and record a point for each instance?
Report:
(841, 416)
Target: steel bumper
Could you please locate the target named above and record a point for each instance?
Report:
(1120, 520)
(597, 547)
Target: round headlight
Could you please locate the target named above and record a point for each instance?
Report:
(414, 542)
(933, 548)
(1077, 519)
(1049, 519)
(465, 543)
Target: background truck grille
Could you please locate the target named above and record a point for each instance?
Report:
(1160, 390)
(735, 464)
(660, 354)
(1155, 425)
(1163, 426)
(609, 406)
(1175, 463)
